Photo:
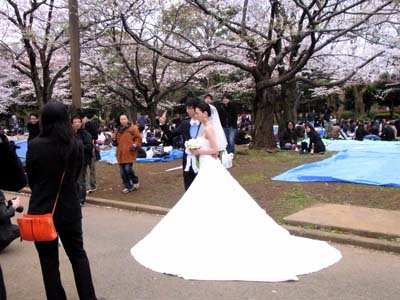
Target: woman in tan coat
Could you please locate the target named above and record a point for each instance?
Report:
(128, 140)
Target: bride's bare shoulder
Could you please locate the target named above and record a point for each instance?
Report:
(209, 127)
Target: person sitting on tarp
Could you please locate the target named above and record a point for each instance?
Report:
(387, 133)
(300, 130)
(315, 145)
(288, 137)
(360, 131)
(373, 134)
(334, 132)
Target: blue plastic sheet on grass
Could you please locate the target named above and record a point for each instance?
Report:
(109, 157)
(106, 156)
(21, 152)
(353, 166)
(370, 146)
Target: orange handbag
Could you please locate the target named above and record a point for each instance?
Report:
(39, 228)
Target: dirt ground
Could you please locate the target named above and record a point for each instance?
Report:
(254, 170)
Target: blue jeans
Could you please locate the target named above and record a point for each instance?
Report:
(128, 175)
(230, 134)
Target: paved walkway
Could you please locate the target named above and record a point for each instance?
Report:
(109, 234)
(361, 226)
(370, 222)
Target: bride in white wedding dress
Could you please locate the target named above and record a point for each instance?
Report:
(218, 232)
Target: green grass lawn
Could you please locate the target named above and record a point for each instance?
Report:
(254, 170)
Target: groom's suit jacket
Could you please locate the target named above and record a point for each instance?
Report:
(182, 130)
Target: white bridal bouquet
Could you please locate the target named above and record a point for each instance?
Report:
(192, 160)
(192, 144)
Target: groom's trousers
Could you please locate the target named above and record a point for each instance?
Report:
(189, 176)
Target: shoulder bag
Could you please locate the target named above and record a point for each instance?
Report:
(39, 228)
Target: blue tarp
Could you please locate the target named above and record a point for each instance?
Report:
(367, 166)
(371, 146)
(21, 152)
(107, 155)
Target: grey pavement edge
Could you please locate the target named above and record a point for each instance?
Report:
(301, 229)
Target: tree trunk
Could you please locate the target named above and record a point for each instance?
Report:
(359, 106)
(132, 111)
(152, 111)
(290, 103)
(263, 108)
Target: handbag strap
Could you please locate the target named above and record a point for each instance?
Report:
(58, 193)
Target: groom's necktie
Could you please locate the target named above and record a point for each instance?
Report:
(194, 128)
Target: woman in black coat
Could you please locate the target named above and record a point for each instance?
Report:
(315, 145)
(53, 152)
(288, 137)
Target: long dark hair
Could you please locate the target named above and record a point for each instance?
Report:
(202, 106)
(310, 126)
(56, 126)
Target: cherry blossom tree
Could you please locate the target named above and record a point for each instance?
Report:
(15, 89)
(38, 45)
(273, 41)
(136, 74)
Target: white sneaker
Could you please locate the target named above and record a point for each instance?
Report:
(126, 191)
(135, 186)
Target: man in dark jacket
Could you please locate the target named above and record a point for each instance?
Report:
(92, 126)
(33, 126)
(228, 115)
(12, 178)
(189, 128)
(87, 142)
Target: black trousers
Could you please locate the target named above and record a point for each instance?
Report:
(189, 176)
(72, 240)
(9, 233)
(3, 293)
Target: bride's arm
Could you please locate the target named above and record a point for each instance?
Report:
(212, 139)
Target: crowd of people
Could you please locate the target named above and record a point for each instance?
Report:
(63, 150)
(57, 157)
(315, 127)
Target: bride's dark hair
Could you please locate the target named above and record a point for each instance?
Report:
(202, 106)
(55, 125)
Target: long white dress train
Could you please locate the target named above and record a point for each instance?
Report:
(218, 232)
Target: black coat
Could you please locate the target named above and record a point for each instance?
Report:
(87, 141)
(228, 115)
(315, 142)
(360, 133)
(33, 130)
(8, 231)
(387, 134)
(287, 137)
(91, 127)
(183, 130)
(44, 167)
(12, 175)
(6, 213)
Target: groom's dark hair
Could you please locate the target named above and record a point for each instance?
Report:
(192, 102)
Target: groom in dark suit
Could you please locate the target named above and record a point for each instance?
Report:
(188, 129)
